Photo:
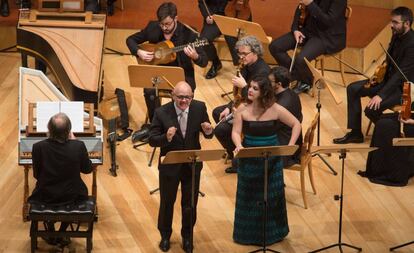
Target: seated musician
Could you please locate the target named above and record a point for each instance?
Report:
(250, 51)
(319, 29)
(94, 6)
(167, 28)
(386, 94)
(280, 79)
(4, 8)
(390, 165)
(211, 31)
(57, 164)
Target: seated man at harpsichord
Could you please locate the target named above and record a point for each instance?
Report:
(57, 164)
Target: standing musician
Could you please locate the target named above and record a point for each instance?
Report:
(177, 126)
(386, 94)
(250, 51)
(319, 27)
(167, 28)
(211, 31)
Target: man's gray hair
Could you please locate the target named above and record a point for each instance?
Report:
(59, 127)
(252, 42)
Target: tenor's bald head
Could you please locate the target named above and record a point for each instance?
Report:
(182, 95)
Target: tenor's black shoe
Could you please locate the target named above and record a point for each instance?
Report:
(301, 87)
(187, 247)
(4, 8)
(164, 244)
(142, 134)
(349, 138)
(212, 72)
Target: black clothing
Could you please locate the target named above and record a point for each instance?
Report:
(4, 8)
(389, 165)
(325, 32)
(289, 100)
(170, 175)
(223, 130)
(182, 35)
(390, 89)
(57, 167)
(211, 31)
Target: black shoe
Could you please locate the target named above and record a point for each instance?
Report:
(142, 134)
(4, 8)
(187, 247)
(26, 4)
(362, 173)
(231, 170)
(301, 87)
(349, 138)
(50, 240)
(212, 72)
(63, 241)
(164, 244)
(110, 9)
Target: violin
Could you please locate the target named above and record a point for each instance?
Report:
(238, 9)
(378, 76)
(406, 101)
(237, 92)
(303, 14)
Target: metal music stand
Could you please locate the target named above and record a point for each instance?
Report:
(239, 28)
(320, 82)
(160, 78)
(402, 142)
(266, 152)
(342, 150)
(192, 156)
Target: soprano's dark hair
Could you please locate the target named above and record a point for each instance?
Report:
(405, 13)
(167, 9)
(281, 75)
(59, 127)
(267, 97)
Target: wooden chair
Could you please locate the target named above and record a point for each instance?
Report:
(306, 159)
(321, 59)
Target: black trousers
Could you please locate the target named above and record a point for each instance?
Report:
(223, 131)
(168, 193)
(311, 48)
(355, 91)
(211, 32)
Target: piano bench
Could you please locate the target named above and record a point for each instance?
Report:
(83, 212)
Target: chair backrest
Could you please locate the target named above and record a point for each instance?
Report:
(348, 12)
(309, 136)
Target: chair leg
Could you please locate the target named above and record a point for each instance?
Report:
(341, 69)
(302, 187)
(368, 128)
(323, 65)
(310, 170)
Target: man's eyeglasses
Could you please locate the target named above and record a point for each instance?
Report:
(182, 97)
(166, 24)
(395, 22)
(243, 54)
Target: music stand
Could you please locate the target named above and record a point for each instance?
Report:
(402, 142)
(320, 82)
(266, 152)
(238, 28)
(192, 156)
(342, 150)
(160, 78)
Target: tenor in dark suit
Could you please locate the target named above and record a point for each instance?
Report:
(387, 93)
(166, 132)
(323, 32)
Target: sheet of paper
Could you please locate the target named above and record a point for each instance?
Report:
(44, 111)
(74, 110)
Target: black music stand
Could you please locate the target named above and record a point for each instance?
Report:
(266, 152)
(319, 82)
(402, 142)
(342, 150)
(192, 156)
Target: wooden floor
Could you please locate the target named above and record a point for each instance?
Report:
(375, 217)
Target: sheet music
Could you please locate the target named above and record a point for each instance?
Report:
(45, 110)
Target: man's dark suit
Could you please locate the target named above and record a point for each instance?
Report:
(390, 90)
(325, 32)
(171, 175)
(182, 35)
(57, 167)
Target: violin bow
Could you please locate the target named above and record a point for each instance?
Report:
(208, 11)
(293, 57)
(394, 63)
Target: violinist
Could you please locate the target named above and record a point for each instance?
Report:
(210, 31)
(318, 27)
(388, 92)
(250, 51)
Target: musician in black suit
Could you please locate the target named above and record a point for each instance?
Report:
(57, 164)
(280, 79)
(387, 93)
(211, 31)
(168, 28)
(250, 51)
(177, 126)
(323, 32)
